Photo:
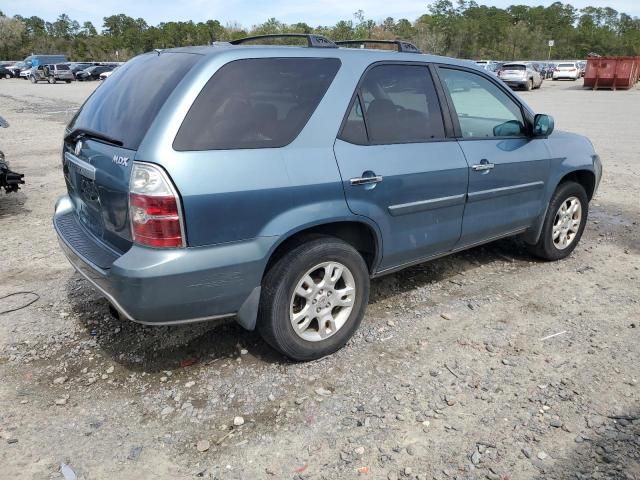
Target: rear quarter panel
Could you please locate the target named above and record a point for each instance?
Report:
(232, 195)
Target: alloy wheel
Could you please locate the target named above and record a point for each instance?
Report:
(566, 223)
(322, 301)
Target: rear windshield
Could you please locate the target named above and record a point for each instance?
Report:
(62, 67)
(514, 67)
(256, 103)
(566, 65)
(124, 106)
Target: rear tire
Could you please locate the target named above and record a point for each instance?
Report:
(52, 80)
(68, 81)
(529, 85)
(564, 222)
(327, 312)
(33, 79)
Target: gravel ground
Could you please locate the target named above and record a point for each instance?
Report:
(454, 374)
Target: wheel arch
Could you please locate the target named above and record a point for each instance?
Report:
(359, 233)
(582, 176)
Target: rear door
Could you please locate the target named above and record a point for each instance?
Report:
(508, 169)
(397, 165)
(102, 139)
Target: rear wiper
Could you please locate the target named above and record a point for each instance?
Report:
(78, 133)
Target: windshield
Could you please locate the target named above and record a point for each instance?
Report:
(125, 105)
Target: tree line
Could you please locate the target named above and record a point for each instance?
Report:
(463, 29)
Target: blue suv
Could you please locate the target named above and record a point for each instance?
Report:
(270, 183)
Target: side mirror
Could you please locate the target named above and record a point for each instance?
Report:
(543, 125)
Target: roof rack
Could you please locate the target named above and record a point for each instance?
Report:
(402, 46)
(313, 41)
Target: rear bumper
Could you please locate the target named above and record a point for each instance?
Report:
(567, 76)
(515, 83)
(168, 286)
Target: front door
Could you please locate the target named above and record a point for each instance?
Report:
(508, 168)
(398, 168)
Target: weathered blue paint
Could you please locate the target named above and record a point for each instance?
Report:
(240, 205)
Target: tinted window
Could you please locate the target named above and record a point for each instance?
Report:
(256, 103)
(124, 107)
(514, 67)
(483, 109)
(354, 130)
(62, 67)
(400, 105)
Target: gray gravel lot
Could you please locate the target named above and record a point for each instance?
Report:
(454, 374)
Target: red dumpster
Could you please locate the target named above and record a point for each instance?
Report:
(612, 72)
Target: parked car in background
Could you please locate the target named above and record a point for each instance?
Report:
(187, 199)
(521, 75)
(93, 73)
(106, 74)
(16, 68)
(5, 72)
(26, 73)
(582, 66)
(51, 73)
(547, 70)
(76, 67)
(567, 70)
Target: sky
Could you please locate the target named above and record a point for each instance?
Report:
(252, 12)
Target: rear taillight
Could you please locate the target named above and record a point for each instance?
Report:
(154, 208)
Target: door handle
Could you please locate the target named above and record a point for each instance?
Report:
(366, 180)
(482, 166)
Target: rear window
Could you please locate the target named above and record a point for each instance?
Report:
(256, 103)
(124, 107)
(62, 67)
(566, 65)
(514, 67)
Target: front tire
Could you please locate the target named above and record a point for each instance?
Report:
(564, 222)
(33, 79)
(313, 299)
(52, 80)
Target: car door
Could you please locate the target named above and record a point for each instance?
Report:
(508, 168)
(398, 167)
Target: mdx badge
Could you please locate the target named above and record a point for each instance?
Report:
(122, 161)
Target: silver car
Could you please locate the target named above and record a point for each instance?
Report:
(52, 73)
(521, 75)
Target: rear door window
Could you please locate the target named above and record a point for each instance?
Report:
(400, 105)
(256, 103)
(124, 108)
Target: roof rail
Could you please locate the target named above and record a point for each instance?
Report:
(313, 41)
(405, 47)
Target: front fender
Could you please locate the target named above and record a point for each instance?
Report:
(570, 153)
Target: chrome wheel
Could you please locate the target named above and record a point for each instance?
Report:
(322, 301)
(566, 223)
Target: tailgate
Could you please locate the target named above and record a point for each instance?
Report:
(97, 176)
